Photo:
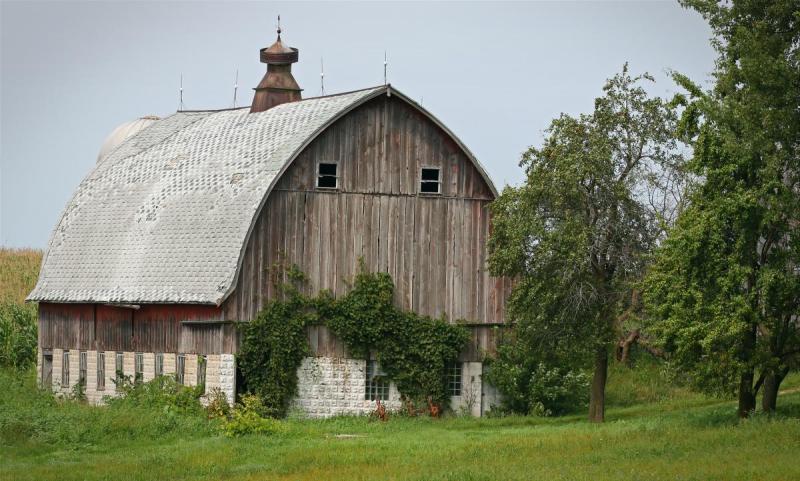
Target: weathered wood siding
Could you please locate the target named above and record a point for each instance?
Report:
(432, 245)
(151, 328)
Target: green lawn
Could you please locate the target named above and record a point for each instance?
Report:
(651, 434)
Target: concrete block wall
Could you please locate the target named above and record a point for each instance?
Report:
(469, 402)
(328, 386)
(220, 372)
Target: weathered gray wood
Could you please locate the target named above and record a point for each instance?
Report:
(433, 246)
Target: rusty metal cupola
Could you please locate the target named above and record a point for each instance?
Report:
(278, 85)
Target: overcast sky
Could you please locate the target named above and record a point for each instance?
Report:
(495, 73)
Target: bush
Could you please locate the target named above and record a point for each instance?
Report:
(248, 418)
(163, 394)
(29, 415)
(18, 335)
(533, 385)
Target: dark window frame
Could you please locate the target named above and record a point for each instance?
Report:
(65, 369)
(428, 182)
(158, 367)
(327, 176)
(119, 369)
(101, 371)
(180, 368)
(202, 363)
(82, 367)
(138, 368)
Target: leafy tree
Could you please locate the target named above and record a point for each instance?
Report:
(725, 289)
(577, 232)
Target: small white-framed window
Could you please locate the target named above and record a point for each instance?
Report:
(119, 369)
(82, 368)
(377, 386)
(180, 368)
(453, 374)
(159, 367)
(327, 175)
(430, 180)
(138, 368)
(101, 371)
(65, 369)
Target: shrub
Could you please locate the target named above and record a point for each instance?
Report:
(532, 384)
(218, 406)
(162, 393)
(35, 416)
(248, 418)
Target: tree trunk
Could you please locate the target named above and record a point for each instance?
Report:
(597, 398)
(772, 383)
(747, 398)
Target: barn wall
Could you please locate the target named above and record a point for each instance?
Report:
(433, 246)
(151, 328)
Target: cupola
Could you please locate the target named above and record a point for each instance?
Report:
(278, 85)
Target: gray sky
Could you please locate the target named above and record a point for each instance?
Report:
(495, 73)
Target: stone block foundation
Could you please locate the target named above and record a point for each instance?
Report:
(220, 372)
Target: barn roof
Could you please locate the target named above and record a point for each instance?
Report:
(166, 216)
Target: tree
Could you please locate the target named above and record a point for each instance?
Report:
(577, 232)
(724, 292)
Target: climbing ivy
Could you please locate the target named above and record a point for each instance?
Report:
(413, 350)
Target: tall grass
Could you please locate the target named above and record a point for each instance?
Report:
(19, 269)
(33, 418)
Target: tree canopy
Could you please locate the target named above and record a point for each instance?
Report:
(575, 235)
(724, 292)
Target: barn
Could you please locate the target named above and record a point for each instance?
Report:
(167, 243)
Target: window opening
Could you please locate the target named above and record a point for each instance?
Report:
(377, 386)
(327, 175)
(430, 181)
(101, 371)
(454, 379)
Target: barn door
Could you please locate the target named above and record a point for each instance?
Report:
(47, 370)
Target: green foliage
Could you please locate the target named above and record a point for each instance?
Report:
(18, 335)
(577, 233)
(163, 394)
(413, 350)
(724, 289)
(681, 437)
(33, 417)
(248, 418)
(536, 382)
(273, 346)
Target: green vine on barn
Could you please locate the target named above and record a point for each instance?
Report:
(413, 350)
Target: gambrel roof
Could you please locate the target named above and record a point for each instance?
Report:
(165, 217)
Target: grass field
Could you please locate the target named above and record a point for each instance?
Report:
(653, 432)
(19, 269)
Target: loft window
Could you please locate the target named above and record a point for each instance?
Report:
(327, 175)
(119, 372)
(180, 368)
(138, 376)
(454, 379)
(377, 386)
(430, 181)
(82, 369)
(65, 369)
(201, 371)
(159, 367)
(101, 371)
